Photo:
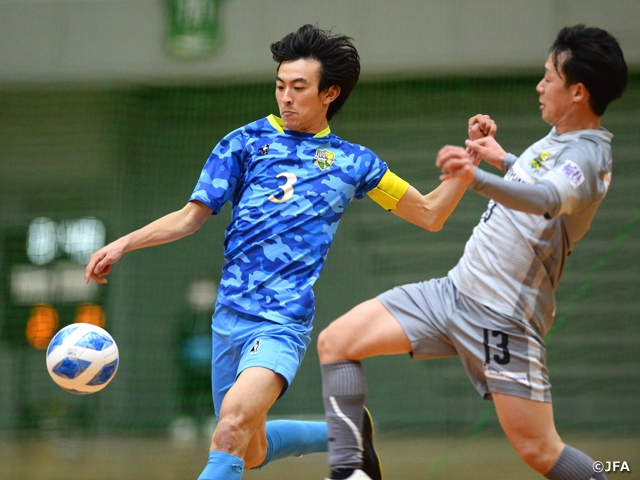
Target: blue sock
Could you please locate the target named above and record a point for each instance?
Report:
(222, 466)
(287, 438)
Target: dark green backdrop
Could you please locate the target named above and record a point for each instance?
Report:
(129, 155)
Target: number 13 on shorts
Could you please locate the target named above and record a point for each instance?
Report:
(500, 341)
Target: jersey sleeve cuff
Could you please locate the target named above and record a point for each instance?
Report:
(508, 161)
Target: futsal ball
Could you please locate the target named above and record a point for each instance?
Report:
(82, 358)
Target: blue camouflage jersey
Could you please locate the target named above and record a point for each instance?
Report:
(288, 191)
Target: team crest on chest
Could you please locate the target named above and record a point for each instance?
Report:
(539, 160)
(323, 159)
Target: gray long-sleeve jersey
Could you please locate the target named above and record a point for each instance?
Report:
(544, 204)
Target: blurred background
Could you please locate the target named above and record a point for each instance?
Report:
(109, 109)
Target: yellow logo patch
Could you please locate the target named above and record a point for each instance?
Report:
(539, 160)
(323, 159)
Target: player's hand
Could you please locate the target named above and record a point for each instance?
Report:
(455, 162)
(481, 126)
(487, 149)
(101, 261)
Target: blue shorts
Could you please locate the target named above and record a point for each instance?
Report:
(241, 341)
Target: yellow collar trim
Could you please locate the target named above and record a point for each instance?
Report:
(323, 133)
(278, 124)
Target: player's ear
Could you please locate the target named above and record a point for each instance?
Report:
(580, 92)
(330, 94)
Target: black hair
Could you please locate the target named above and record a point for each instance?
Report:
(593, 57)
(339, 59)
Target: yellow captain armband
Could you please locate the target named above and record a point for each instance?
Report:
(389, 190)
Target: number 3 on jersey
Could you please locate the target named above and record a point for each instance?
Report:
(287, 187)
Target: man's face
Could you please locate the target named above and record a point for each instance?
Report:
(302, 107)
(556, 98)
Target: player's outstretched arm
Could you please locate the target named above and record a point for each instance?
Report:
(432, 210)
(487, 149)
(456, 163)
(541, 198)
(166, 229)
(461, 163)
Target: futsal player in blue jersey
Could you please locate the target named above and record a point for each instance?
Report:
(288, 180)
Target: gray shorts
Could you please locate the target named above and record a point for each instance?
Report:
(501, 354)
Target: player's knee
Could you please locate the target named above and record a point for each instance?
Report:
(324, 345)
(537, 454)
(233, 435)
(331, 347)
(230, 435)
(226, 434)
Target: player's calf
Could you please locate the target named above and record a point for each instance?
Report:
(574, 465)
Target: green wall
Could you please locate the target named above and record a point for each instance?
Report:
(130, 155)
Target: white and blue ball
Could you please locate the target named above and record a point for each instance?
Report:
(82, 358)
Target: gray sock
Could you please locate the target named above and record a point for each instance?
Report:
(574, 465)
(344, 389)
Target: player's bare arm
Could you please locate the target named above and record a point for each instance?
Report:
(460, 163)
(432, 210)
(166, 229)
(456, 163)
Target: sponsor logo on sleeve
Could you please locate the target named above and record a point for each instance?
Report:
(572, 172)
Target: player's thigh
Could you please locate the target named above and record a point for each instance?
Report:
(242, 342)
(249, 399)
(279, 348)
(367, 330)
(226, 354)
(423, 311)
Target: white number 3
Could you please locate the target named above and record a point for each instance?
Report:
(287, 188)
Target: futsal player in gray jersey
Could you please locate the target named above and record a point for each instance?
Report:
(496, 305)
